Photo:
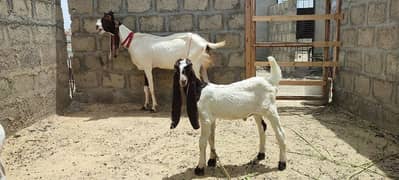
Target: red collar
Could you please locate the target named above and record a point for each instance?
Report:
(126, 43)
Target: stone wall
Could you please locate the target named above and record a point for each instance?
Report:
(118, 80)
(28, 62)
(368, 79)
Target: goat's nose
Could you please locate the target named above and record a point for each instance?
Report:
(97, 27)
(183, 82)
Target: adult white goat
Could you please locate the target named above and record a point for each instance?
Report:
(251, 97)
(149, 51)
(2, 139)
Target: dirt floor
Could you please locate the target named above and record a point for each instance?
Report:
(121, 142)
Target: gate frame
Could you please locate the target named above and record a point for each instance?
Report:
(329, 67)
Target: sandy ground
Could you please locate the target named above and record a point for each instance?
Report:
(121, 142)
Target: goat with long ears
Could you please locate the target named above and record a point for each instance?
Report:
(149, 51)
(251, 97)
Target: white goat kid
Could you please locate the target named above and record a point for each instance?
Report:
(2, 139)
(251, 97)
(149, 51)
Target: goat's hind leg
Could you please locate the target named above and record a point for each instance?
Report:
(211, 140)
(205, 133)
(148, 74)
(278, 130)
(262, 137)
(146, 94)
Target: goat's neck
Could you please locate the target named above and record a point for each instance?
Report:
(123, 32)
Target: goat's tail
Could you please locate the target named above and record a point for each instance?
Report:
(275, 71)
(216, 45)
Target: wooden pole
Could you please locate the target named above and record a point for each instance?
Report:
(326, 50)
(337, 37)
(248, 38)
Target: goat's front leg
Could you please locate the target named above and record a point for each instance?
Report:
(205, 133)
(262, 138)
(278, 130)
(148, 73)
(211, 140)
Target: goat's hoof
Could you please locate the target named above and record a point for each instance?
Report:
(153, 110)
(282, 165)
(143, 108)
(261, 156)
(212, 162)
(199, 171)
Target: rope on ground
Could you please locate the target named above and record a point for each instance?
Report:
(370, 164)
(220, 165)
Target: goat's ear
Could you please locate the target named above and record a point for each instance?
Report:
(177, 63)
(176, 102)
(192, 109)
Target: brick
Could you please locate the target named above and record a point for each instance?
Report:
(16, 32)
(383, 91)
(227, 4)
(167, 5)
(233, 40)
(358, 15)
(366, 37)
(236, 21)
(89, 25)
(349, 37)
(22, 8)
(130, 22)
(195, 5)
(347, 81)
(86, 79)
(75, 25)
(376, 13)
(136, 82)
(138, 5)
(92, 62)
(373, 63)
(236, 60)
(353, 60)
(394, 9)
(113, 81)
(5, 88)
(86, 43)
(44, 10)
(211, 22)
(151, 24)
(362, 85)
(388, 37)
(393, 66)
(80, 7)
(123, 63)
(181, 23)
(109, 5)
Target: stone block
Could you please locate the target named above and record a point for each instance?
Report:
(23, 84)
(83, 43)
(377, 13)
(3, 8)
(89, 25)
(105, 43)
(109, 5)
(100, 95)
(29, 57)
(44, 34)
(130, 22)
(75, 25)
(80, 7)
(218, 59)
(362, 85)
(44, 10)
(366, 37)
(236, 60)
(92, 62)
(210, 22)
(19, 34)
(227, 4)
(358, 15)
(236, 21)
(394, 9)
(151, 24)
(22, 8)
(383, 91)
(373, 63)
(349, 37)
(5, 88)
(347, 78)
(181, 23)
(138, 5)
(353, 60)
(112, 80)
(369, 111)
(233, 40)
(136, 82)
(167, 5)
(391, 121)
(123, 63)
(195, 5)
(388, 37)
(393, 66)
(86, 80)
(223, 75)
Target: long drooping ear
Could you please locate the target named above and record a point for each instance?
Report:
(177, 100)
(191, 100)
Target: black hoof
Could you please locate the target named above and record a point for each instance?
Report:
(281, 165)
(212, 162)
(143, 108)
(199, 171)
(261, 156)
(153, 111)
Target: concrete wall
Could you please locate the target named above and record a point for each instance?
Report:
(28, 61)
(368, 80)
(118, 80)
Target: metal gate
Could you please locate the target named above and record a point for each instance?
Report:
(329, 60)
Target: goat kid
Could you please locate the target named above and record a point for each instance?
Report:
(252, 97)
(149, 51)
(2, 139)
